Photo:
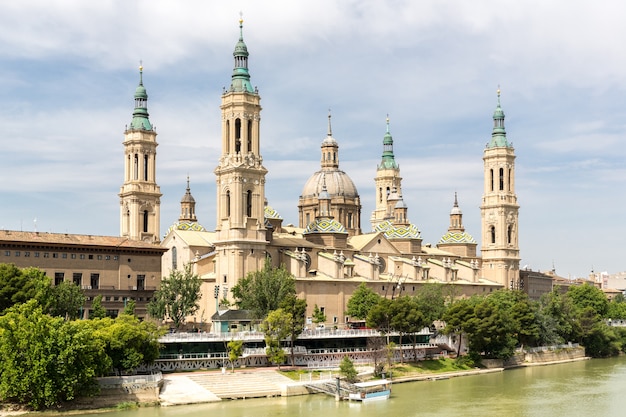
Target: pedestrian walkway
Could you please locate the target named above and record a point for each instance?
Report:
(202, 387)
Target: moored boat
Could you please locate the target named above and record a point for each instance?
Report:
(371, 391)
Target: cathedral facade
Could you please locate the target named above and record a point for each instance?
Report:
(328, 253)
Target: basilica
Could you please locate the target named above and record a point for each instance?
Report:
(328, 253)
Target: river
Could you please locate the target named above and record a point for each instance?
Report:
(576, 389)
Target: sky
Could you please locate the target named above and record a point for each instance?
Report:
(69, 69)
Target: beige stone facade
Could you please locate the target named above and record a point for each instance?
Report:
(117, 268)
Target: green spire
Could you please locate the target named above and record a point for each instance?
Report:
(241, 77)
(140, 114)
(498, 136)
(388, 161)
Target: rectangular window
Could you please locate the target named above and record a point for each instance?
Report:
(64, 255)
(99, 257)
(7, 253)
(90, 256)
(94, 280)
(46, 255)
(141, 282)
(115, 258)
(17, 253)
(77, 278)
(107, 258)
(26, 254)
(36, 254)
(82, 256)
(55, 255)
(58, 278)
(73, 256)
(335, 319)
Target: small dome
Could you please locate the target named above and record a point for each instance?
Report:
(140, 92)
(456, 238)
(338, 183)
(325, 226)
(270, 213)
(193, 226)
(456, 210)
(392, 231)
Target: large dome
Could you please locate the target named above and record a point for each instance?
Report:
(338, 183)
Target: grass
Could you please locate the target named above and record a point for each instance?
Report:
(127, 405)
(432, 366)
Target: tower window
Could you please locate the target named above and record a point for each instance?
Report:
(509, 180)
(136, 168)
(227, 136)
(380, 194)
(249, 136)
(174, 258)
(249, 203)
(509, 234)
(492, 231)
(237, 135)
(501, 179)
(145, 167)
(228, 203)
(145, 221)
(350, 220)
(491, 174)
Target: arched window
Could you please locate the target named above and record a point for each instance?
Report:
(237, 135)
(509, 180)
(174, 258)
(249, 203)
(491, 172)
(509, 234)
(380, 197)
(501, 179)
(136, 168)
(492, 231)
(249, 138)
(145, 221)
(350, 220)
(227, 136)
(228, 203)
(145, 167)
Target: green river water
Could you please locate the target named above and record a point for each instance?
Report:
(586, 388)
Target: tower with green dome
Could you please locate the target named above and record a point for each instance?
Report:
(240, 178)
(388, 183)
(140, 196)
(499, 209)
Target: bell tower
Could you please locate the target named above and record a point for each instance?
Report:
(140, 204)
(499, 209)
(388, 183)
(240, 177)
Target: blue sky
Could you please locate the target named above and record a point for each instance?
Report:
(68, 70)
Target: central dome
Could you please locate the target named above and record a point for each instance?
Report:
(338, 183)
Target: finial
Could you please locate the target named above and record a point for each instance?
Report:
(387, 122)
(187, 182)
(456, 203)
(241, 25)
(498, 92)
(330, 130)
(140, 72)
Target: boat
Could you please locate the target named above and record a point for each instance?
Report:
(371, 391)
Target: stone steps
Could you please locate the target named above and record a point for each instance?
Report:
(242, 384)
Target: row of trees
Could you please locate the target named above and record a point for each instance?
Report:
(48, 356)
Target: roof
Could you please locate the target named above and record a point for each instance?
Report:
(196, 238)
(456, 238)
(232, 315)
(59, 239)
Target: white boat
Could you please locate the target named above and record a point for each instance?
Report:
(371, 391)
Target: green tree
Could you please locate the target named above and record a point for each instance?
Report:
(347, 369)
(66, 300)
(97, 311)
(457, 317)
(318, 316)
(380, 315)
(235, 350)
(177, 297)
(564, 315)
(407, 319)
(491, 330)
(363, 299)
(129, 308)
(296, 307)
(47, 360)
(276, 328)
(21, 285)
(588, 295)
(524, 321)
(431, 302)
(263, 291)
(129, 342)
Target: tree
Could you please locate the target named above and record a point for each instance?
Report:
(457, 316)
(379, 316)
(491, 330)
(347, 369)
(177, 297)
(431, 302)
(276, 328)
(262, 291)
(47, 360)
(97, 311)
(296, 307)
(235, 350)
(588, 295)
(407, 319)
(66, 300)
(318, 315)
(21, 285)
(129, 342)
(363, 299)
(129, 308)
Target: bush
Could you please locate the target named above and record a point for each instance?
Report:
(348, 370)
